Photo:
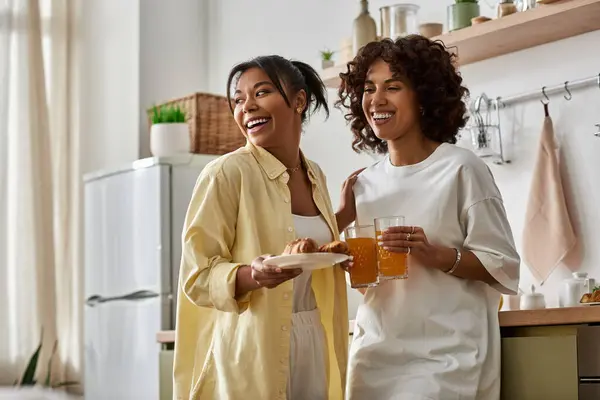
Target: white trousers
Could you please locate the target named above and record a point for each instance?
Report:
(308, 354)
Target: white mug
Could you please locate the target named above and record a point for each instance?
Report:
(511, 302)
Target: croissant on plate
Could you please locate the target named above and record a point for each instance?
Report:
(336, 246)
(586, 298)
(593, 297)
(300, 246)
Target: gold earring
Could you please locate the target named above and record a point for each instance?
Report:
(299, 110)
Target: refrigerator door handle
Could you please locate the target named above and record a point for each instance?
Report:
(589, 380)
(137, 295)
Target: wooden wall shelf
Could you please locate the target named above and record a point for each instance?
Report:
(544, 24)
(331, 76)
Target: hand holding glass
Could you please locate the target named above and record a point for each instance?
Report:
(391, 265)
(362, 245)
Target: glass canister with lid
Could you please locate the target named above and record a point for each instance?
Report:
(399, 20)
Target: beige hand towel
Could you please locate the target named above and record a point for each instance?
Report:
(548, 235)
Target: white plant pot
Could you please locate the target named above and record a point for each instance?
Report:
(169, 139)
(327, 64)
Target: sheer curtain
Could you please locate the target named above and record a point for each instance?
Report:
(39, 187)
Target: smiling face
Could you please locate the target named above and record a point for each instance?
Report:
(262, 113)
(389, 104)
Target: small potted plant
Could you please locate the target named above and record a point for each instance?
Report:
(460, 14)
(169, 134)
(33, 386)
(327, 58)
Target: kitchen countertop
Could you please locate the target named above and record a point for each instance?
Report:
(508, 319)
(165, 337)
(550, 316)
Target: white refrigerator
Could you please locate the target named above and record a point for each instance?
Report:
(132, 225)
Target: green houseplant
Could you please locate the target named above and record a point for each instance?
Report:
(327, 58)
(28, 378)
(169, 134)
(460, 14)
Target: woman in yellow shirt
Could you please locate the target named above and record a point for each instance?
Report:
(246, 331)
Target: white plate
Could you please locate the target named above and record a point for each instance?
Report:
(307, 261)
(595, 303)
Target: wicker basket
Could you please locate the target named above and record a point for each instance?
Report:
(212, 127)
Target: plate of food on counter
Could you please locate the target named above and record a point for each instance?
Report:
(591, 299)
(305, 253)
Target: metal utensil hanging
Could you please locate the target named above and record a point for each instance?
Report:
(486, 134)
(479, 135)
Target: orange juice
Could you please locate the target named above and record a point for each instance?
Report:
(391, 265)
(364, 269)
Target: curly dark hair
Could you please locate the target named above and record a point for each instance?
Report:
(428, 68)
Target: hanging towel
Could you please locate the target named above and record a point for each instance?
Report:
(548, 235)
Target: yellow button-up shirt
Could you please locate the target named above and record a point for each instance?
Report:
(228, 349)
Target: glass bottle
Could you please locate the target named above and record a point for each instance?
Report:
(364, 29)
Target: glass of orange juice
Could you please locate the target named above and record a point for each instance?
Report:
(390, 265)
(363, 248)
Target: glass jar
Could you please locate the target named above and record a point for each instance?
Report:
(505, 7)
(399, 20)
(526, 5)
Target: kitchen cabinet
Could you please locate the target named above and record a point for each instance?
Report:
(549, 362)
(165, 359)
(540, 366)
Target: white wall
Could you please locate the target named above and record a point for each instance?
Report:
(173, 48)
(109, 83)
(136, 53)
(240, 30)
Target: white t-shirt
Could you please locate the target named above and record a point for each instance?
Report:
(434, 336)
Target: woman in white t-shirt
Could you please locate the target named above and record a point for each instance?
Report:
(435, 335)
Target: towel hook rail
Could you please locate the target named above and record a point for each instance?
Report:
(564, 88)
(572, 85)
